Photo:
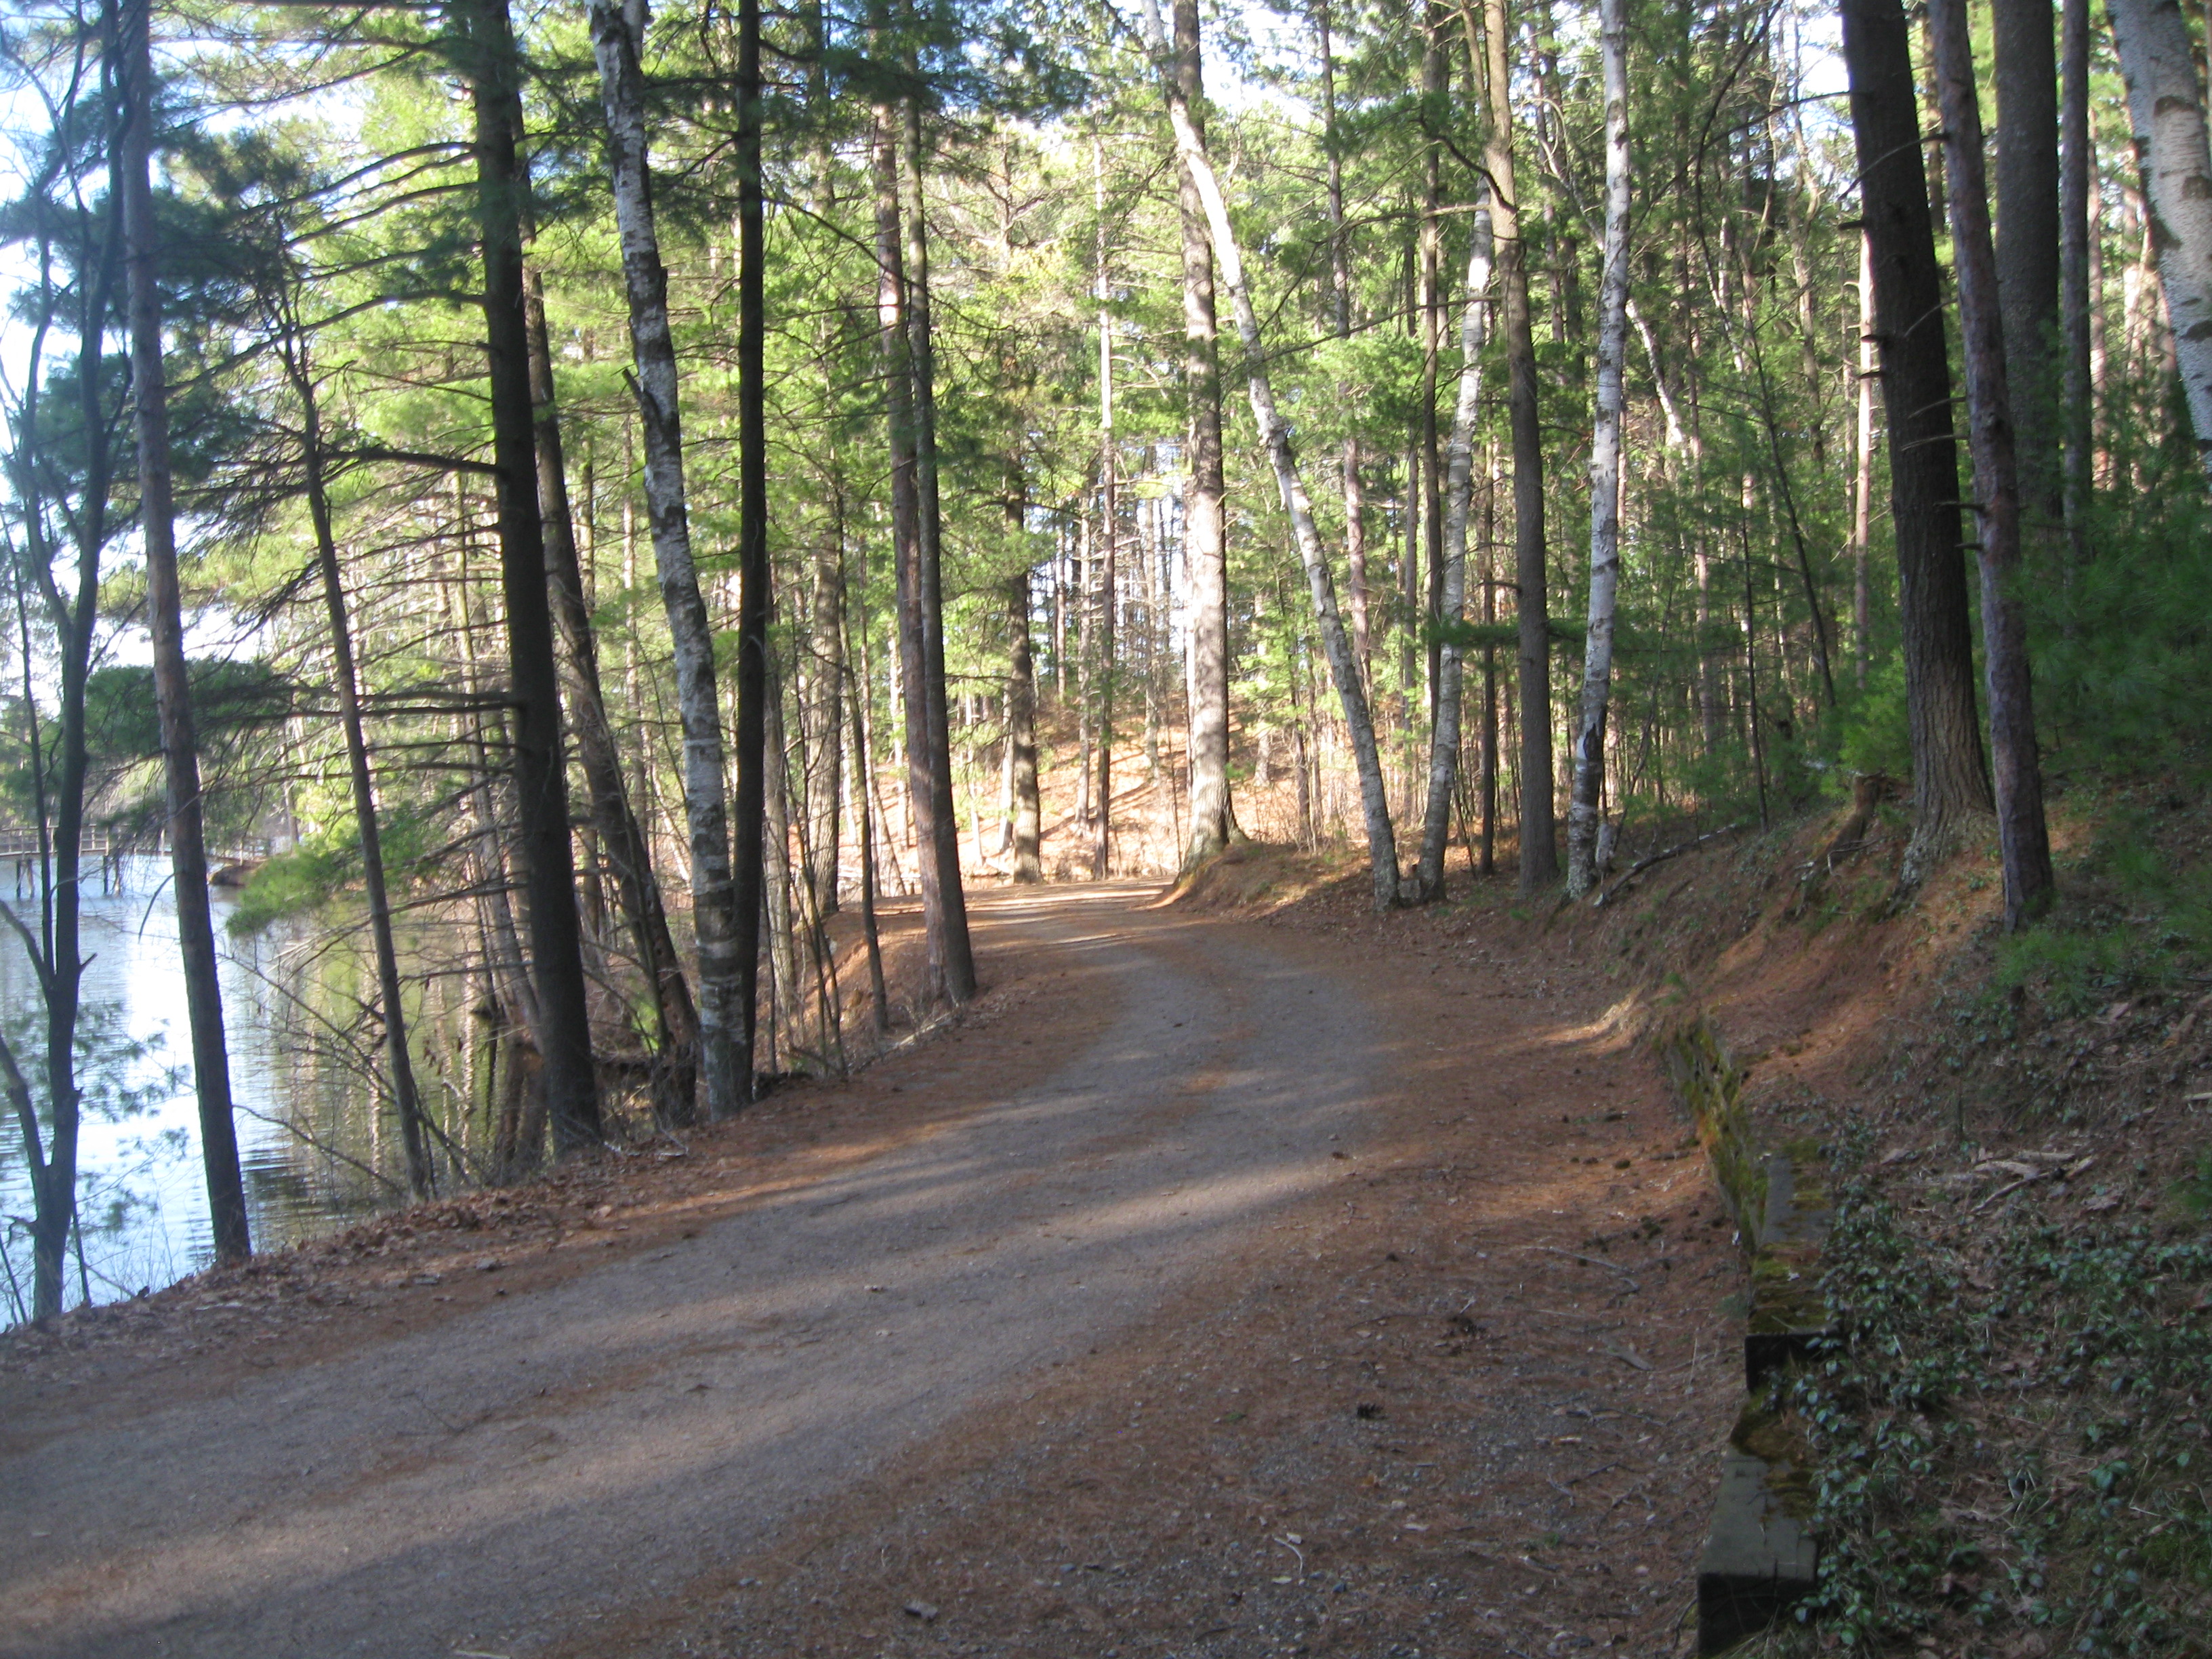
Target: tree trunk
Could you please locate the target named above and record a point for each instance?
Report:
(1458, 496)
(1021, 731)
(956, 955)
(53, 1169)
(1436, 92)
(1206, 533)
(725, 1055)
(822, 689)
(637, 891)
(2167, 103)
(1862, 477)
(864, 779)
(1339, 267)
(346, 682)
(1275, 434)
(1485, 862)
(172, 682)
(2076, 298)
(895, 348)
(1110, 527)
(756, 687)
(2021, 834)
(1539, 853)
(1605, 462)
(2028, 249)
(1948, 778)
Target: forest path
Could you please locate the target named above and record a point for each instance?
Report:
(509, 1474)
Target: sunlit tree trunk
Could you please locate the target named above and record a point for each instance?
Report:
(1458, 496)
(955, 954)
(724, 1060)
(1109, 533)
(637, 890)
(1605, 461)
(1339, 267)
(172, 695)
(1540, 859)
(2166, 100)
(1206, 533)
(1275, 434)
(1436, 92)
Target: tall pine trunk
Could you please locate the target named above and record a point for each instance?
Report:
(172, 695)
(622, 842)
(1949, 779)
(2022, 834)
(568, 1082)
(1862, 474)
(1605, 462)
(755, 684)
(725, 1055)
(2028, 250)
(955, 954)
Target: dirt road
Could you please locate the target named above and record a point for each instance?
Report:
(759, 1438)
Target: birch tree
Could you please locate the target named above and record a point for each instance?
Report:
(2166, 100)
(1458, 498)
(1605, 462)
(616, 41)
(1275, 435)
(1539, 856)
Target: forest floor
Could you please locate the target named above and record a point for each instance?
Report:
(1219, 1285)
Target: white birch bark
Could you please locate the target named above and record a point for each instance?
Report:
(1275, 434)
(1458, 492)
(2166, 101)
(615, 41)
(1605, 462)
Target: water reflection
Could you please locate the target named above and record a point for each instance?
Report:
(141, 1194)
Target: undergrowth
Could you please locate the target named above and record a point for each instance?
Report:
(2007, 1453)
(2136, 914)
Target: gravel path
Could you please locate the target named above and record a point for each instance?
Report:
(495, 1483)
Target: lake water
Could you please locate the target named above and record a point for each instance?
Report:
(141, 1193)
